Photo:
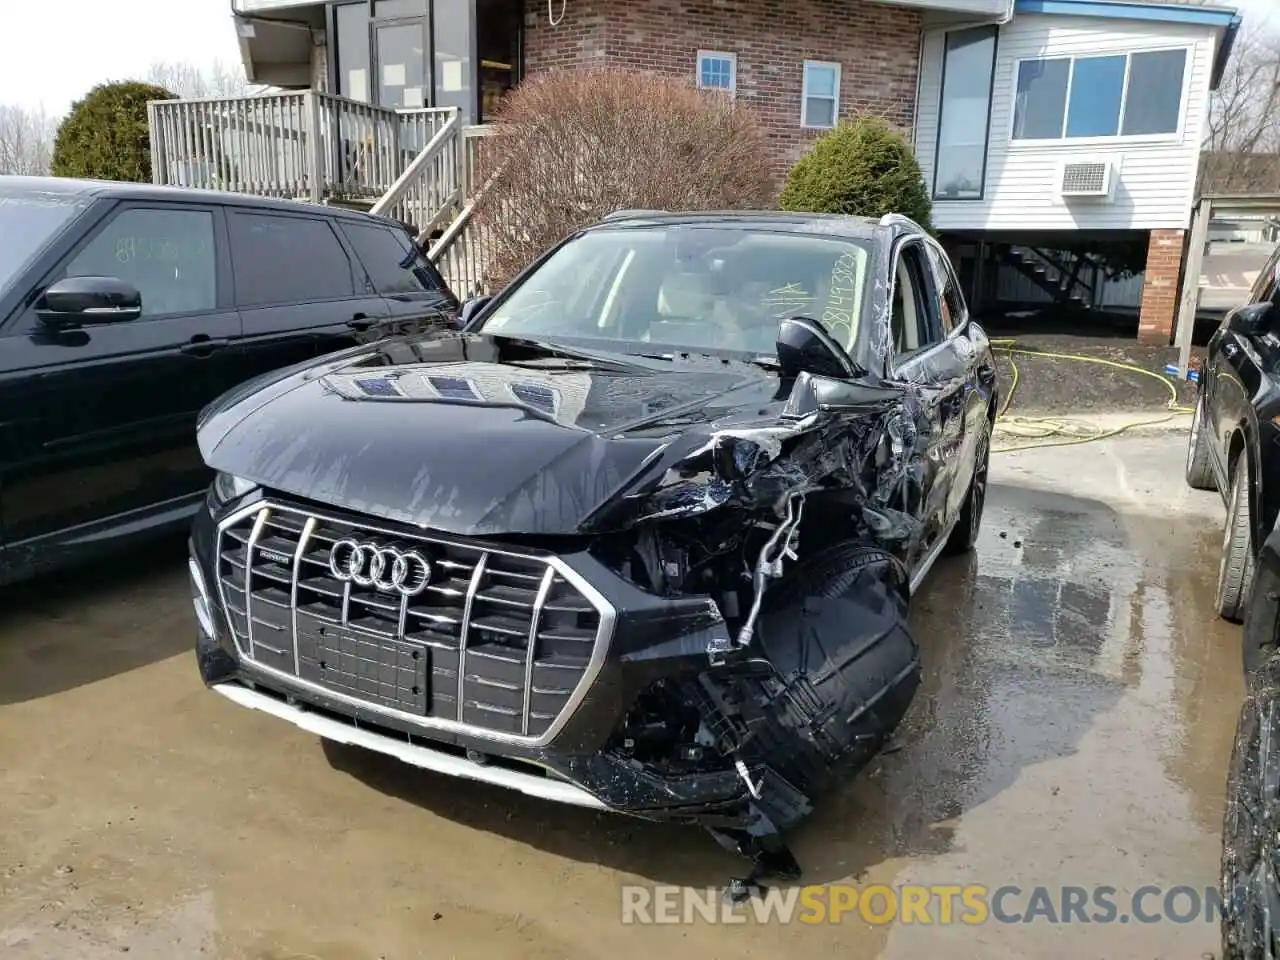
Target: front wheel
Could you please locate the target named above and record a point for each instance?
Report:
(965, 533)
(1235, 568)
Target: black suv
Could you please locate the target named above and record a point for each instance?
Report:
(1234, 442)
(124, 309)
(640, 537)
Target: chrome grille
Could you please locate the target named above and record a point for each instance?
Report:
(500, 642)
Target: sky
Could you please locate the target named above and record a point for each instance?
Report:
(50, 59)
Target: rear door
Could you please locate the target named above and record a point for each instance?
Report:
(298, 292)
(99, 421)
(416, 295)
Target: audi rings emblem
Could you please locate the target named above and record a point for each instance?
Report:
(386, 568)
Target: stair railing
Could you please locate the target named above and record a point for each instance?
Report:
(429, 191)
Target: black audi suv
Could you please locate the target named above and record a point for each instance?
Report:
(639, 537)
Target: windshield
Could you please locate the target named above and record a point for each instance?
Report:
(29, 220)
(689, 288)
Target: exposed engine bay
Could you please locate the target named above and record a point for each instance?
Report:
(817, 666)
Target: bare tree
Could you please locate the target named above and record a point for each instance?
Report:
(190, 82)
(26, 140)
(1243, 142)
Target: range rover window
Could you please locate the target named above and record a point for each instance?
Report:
(393, 264)
(169, 255)
(689, 288)
(29, 221)
(287, 259)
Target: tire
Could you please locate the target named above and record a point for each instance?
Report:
(1199, 472)
(964, 536)
(1235, 568)
(847, 667)
(1250, 824)
(1260, 638)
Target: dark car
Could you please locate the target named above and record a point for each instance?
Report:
(640, 537)
(124, 309)
(1251, 825)
(1234, 442)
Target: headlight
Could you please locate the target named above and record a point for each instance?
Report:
(227, 487)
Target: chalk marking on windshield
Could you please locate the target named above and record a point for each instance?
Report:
(843, 290)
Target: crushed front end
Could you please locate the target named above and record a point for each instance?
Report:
(635, 673)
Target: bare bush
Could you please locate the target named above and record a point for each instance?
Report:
(191, 82)
(26, 140)
(573, 146)
(1244, 117)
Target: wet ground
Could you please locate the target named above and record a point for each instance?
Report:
(1074, 728)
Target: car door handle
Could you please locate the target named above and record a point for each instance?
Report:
(202, 346)
(360, 322)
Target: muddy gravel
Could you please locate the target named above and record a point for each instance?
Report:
(1074, 727)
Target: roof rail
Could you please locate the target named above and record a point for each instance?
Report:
(628, 214)
(889, 219)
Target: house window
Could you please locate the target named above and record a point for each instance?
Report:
(1120, 95)
(820, 94)
(717, 71)
(960, 162)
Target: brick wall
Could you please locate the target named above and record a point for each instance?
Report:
(877, 46)
(1160, 286)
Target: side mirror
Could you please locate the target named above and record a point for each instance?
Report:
(805, 346)
(80, 301)
(1253, 318)
(470, 309)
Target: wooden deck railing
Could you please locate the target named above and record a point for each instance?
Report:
(418, 166)
(307, 145)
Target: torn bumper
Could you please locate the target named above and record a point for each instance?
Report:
(575, 757)
(652, 638)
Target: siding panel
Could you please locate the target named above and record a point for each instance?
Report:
(1156, 180)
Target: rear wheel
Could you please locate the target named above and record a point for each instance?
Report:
(1235, 568)
(1199, 473)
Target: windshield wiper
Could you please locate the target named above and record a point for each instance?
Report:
(760, 360)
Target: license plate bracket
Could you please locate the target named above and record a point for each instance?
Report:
(377, 670)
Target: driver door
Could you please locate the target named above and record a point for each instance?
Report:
(101, 421)
(925, 355)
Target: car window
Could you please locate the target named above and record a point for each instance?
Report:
(169, 255)
(393, 264)
(950, 301)
(29, 221)
(287, 259)
(912, 319)
(689, 287)
(1265, 284)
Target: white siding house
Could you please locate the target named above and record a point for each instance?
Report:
(1154, 174)
(1069, 121)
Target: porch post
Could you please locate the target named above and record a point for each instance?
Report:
(1190, 300)
(315, 145)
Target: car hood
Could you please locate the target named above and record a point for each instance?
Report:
(473, 434)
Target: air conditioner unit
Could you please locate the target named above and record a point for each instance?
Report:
(1087, 178)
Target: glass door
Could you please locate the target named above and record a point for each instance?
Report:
(401, 51)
